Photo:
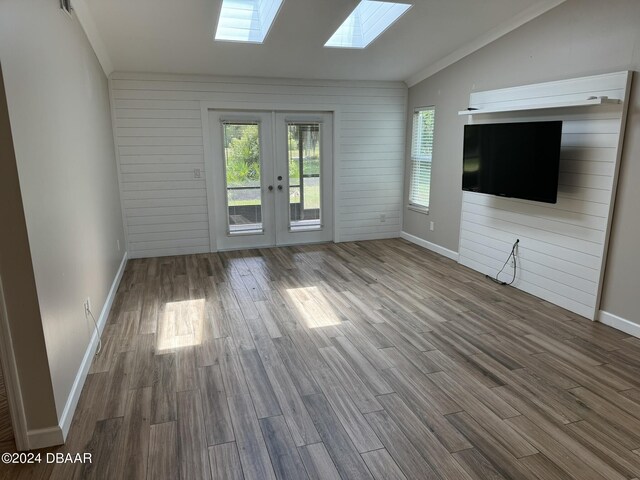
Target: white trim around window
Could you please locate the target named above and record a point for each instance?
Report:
(421, 156)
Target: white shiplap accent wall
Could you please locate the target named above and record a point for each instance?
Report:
(158, 134)
(563, 246)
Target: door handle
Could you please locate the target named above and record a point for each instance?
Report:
(279, 187)
(270, 187)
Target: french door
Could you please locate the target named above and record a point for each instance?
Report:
(272, 178)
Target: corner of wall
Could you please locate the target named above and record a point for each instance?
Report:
(445, 252)
(83, 371)
(623, 324)
(85, 17)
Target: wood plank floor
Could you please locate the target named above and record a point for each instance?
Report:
(7, 443)
(368, 360)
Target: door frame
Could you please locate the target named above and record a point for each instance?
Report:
(253, 239)
(285, 235)
(239, 106)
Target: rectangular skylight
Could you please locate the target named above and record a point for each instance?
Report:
(366, 23)
(246, 20)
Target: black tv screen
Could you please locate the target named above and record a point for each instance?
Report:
(519, 160)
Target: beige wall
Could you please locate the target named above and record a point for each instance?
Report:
(578, 38)
(21, 301)
(59, 111)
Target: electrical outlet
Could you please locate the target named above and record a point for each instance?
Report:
(383, 218)
(197, 173)
(432, 226)
(87, 306)
(118, 244)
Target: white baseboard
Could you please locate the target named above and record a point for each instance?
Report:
(445, 252)
(45, 437)
(619, 323)
(81, 376)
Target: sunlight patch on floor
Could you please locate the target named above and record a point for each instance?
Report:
(180, 325)
(313, 307)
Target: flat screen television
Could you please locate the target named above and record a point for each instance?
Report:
(519, 160)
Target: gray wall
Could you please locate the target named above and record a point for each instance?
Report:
(578, 38)
(59, 111)
(18, 285)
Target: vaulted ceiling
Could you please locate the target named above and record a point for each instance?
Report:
(176, 36)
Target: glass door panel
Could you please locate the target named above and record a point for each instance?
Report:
(262, 193)
(304, 158)
(242, 207)
(304, 169)
(242, 170)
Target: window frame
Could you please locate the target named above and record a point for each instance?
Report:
(411, 204)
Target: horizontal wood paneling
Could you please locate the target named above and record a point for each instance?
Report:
(541, 245)
(158, 130)
(562, 90)
(161, 167)
(166, 219)
(181, 234)
(529, 253)
(165, 202)
(181, 242)
(563, 245)
(563, 204)
(180, 227)
(157, 122)
(159, 159)
(536, 265)
(139, 113)
(175, 193)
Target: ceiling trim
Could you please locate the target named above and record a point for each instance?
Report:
(85, 18)
(483, 40)
(246, 80)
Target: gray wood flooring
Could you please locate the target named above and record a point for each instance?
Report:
(369, 360)
(7, 443)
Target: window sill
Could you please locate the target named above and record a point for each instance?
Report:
(415, 208)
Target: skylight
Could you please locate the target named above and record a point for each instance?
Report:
(366, 23)
(246, 20)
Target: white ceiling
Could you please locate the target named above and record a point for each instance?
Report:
(176, 36)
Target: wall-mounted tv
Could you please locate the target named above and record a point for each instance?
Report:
(519, 160)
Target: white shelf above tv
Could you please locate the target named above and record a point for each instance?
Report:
(542, 106)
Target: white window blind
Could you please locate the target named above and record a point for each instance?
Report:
(421, 154)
